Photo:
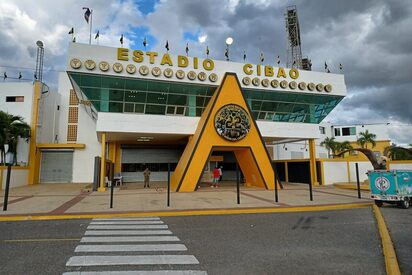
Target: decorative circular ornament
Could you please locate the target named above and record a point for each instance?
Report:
(202, 76)
(180, 74)
(328, 88)
(232, 122)
(256, 81)
(191, 75)
(246, 80)
(311, 86)
(75, 63)
(117, 67)
(274, 83)
(293, 85)
(156, 71)
(144, 70)
(265, 82)
(104, 66)
(382, 183)
(213, 77)
(168, 73)
(302, 86)
(284, 84)
(131, 69)
(319, 87)
(90, 64)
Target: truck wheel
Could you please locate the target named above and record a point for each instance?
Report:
(378, 203)
(405, 203)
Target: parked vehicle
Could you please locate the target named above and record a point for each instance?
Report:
(391, 186)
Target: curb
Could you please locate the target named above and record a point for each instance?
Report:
(186, 212)
(391, 261)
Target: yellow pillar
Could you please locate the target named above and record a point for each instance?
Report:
(33, 152)
(103, 164)
(286, 172)
(312, 162)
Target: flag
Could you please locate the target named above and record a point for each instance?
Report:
(144, 42)
(35, 76)
(326, 65)
(328, 71)
(5, 75)
(294, 63)
(262, 57)
(167, 45)
(121, 39)
(227, 54)
(97, 35)
(187, 48)
(20, 76)
(244, 55)
(340, 66)
(71, 31)
(278, 60)
(74, 39)
(87, 14)
(207, 50)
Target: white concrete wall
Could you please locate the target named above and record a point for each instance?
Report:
(284, 151)
(364, 166)
(334, 172)
(48, 116)
(18, 177)
(380, 130)
(403, 166)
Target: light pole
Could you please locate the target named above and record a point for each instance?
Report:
(9, 160)
(229, 42)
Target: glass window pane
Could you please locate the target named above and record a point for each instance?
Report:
(262, 115)
(129, 107)
(115, 107)
(158, 98)
(135, 96)
(176, 99)
(116, 95)
(91, 81)
(113, 82)
(170, 110)
(155, 109)
(139, 108)
(180, 110)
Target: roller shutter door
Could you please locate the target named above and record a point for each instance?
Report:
(56, 167)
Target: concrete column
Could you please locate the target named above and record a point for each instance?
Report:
(103, 164)
(312, 162)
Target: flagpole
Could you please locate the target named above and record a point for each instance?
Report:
(91, 23)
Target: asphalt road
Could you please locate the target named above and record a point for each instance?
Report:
(327, 242)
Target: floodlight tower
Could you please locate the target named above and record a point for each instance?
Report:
(39, 61)
(294, 50)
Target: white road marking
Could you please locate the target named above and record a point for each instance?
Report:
(128, 219)
(129, 239)
(126, 222)
(143, 272)
(127, 232)
(154, 226)
(130, 248)
(132, 260)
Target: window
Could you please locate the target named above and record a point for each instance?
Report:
(14, 98)
(349, 131)
(337, 131)
(352, 131)
(322, 130)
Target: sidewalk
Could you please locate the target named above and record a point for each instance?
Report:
(74, 199)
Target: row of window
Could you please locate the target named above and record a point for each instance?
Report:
(14, 98)
(345, 131)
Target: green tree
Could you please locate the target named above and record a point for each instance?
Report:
(365, 138)
(330, 144)
(343, 146)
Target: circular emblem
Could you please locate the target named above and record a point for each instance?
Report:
(328, 88)
(293, 85)
(131, 69)
(75, 63)
(191, 75)
(143, 70)
(274, 83)
(283, 84)
(156, 71)
(311, 86)
(319, 87)
(382, 183)
(213, 77)
(117, 67)
(90, 64)
(302, 86)
(232, 122)
(265, 82)
(104, 66)
(180, 74)
(168, 73)
(202, 76)
(246, 80)
(256, 81)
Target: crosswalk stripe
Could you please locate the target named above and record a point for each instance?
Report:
(143, 272)
(128, 219)
(110, 227)
(132, 260)
(130, 248)
(129, 239)
(127, 232)
(126, 222)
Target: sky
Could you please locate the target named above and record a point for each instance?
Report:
(372, 39)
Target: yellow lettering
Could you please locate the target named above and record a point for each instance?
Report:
(208, 64)
(247, 69)
(195, 65)
(268, 71)
(123, 54)
(281, 72)
(151, 56)
(166, 60)
(258, 70)
(182, 61)
(294, 73)
(138, 56)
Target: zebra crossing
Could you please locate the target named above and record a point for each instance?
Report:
(135, 243)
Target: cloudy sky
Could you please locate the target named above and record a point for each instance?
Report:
(371, 38)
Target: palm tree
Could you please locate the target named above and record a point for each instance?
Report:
(330, 144)
(343, 146)
(365, 138)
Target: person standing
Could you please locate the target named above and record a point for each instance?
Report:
(220, 173)
(216, 176)
(146, 174)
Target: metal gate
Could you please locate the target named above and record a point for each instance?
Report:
(56, 166)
